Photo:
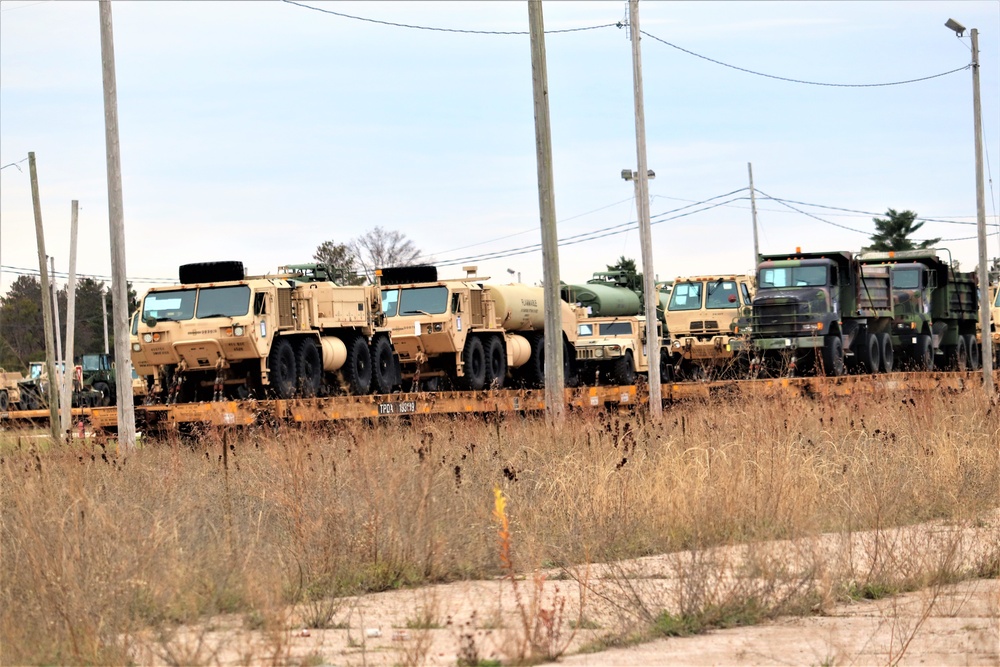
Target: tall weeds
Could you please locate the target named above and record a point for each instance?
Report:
(99, 547)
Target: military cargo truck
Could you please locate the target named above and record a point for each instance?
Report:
(612, 350)
(702, 316)
(820, 310)
(98, 374)
(10, 390)
(468, 333)
(935, 307)
(995, 324)
(607, 294)
(222, 334)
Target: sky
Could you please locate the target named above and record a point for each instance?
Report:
(255, 131)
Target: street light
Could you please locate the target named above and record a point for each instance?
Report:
(512, 272)
(984, 306)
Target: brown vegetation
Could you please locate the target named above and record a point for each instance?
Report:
(282, 527)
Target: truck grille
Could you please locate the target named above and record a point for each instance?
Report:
(779, 317)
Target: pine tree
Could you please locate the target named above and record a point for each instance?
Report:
(893, 232)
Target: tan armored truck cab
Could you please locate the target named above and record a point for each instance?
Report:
(612, 350)
(702, 316)
(10, 390)
(223, 334)
(465, 332)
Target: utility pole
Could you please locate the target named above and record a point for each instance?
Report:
(645, 233)
(104, 314)
(984, 281)
(116, 220)
(67, 397)
(555, 395)
(753, 211)
(43, 271)
(57, 326)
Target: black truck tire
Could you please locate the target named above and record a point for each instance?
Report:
(357, 370)
(959, 356)
(870, 355)
(496, 362)
(473, 364)
(886, 353)
(281, 368)
(923, 354)
(106, 397)
(383, 368)
(4, 401)
(972, 350)
(309, 365)
(623, 369)
(833, 355)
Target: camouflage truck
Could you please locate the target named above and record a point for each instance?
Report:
(820, 310)
(467, 333)
(936, 310)
(702, 323)
(221, 334)
(612, 350)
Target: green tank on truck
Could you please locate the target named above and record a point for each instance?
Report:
(819, 310)
(221, 334)
(935, 306)
(607, 294)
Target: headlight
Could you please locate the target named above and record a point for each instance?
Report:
(238, 331)
(136, 347)
(147, 337)
(810, 327)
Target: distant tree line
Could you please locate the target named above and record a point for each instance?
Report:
(355, 262)
(22, 332)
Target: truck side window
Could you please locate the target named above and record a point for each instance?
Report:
(456, 303)
(834, 276)
(260, 303)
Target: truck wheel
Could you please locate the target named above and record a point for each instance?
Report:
(474, 364)
(4, 401)
(281, 368)
(532, 373)
(888, 355)
(382, 365)
(960, 356)
(496, 362)
(923, 354)
(358, 367)
(105, 390)
(310, 367)
(972, 348)
(869, 349)
(833, 355)
(623, 369)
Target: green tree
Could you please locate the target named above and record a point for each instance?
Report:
(623, 264)
(341, 261)
(893, 232)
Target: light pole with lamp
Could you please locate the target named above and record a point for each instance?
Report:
(984, 305)
(512, 272)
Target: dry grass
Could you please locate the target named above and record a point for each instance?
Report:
(100, 549)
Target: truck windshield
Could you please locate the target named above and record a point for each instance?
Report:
(173, 305)
(792, 276)
(616, 329)
(223, 301)
(906, 278)
(91, 362)
(390, 300)
(419, 300)
(722, 294)
(686, 296)
(996, 302)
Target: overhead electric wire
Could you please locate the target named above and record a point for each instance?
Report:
(438, 29)
(803, 81)
(21, 271)
(814, 217)
(852, 210)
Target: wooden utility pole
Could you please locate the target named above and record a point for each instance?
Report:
(753, 212)
(43, 271)
(104, 315)
(57, 326)
(116, 220)
(555, 394)
(67, 397)
(984, 280)
(645, 232)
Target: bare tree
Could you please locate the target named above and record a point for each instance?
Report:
(379, 248)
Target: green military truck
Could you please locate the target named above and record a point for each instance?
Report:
(935, 306)
(820, 310)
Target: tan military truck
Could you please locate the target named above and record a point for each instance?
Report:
(10, 390)
(612, 350)
(221, 334)
(467, 333)
(994, 293)
(702, 316)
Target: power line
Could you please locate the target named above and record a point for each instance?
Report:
(808, 83)
(852, 210)
(21, 271)
(814, 217)
(439, 29)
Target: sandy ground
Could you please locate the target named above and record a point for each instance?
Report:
(572, 614)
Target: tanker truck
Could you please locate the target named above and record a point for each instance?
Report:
(221, 334)
(467, 333)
